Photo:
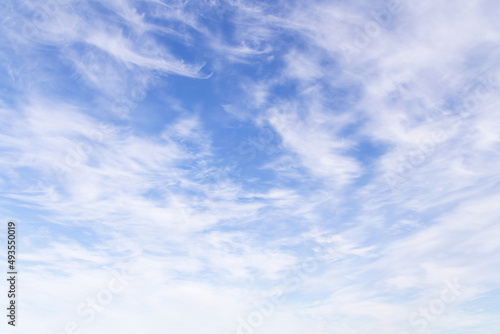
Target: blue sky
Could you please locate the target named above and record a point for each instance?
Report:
(339, 155)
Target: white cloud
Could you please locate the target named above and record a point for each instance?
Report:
(380, 161)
